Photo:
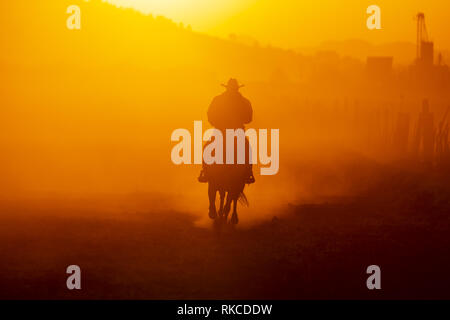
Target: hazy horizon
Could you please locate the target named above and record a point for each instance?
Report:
(297, 24)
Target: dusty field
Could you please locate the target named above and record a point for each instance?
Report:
(308, 251)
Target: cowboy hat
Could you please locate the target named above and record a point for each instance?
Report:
(232, 84)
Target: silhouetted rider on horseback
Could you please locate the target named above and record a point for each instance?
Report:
(230, 110)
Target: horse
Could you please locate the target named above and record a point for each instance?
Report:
(228, 180)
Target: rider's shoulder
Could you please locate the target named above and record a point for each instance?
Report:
(226, 97)
(219, 97)
(245, 101)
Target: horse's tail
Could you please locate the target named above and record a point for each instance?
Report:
(243, 199)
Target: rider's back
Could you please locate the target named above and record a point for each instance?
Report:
(230, 110)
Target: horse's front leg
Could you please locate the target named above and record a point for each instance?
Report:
(212, 190)
(234, 216)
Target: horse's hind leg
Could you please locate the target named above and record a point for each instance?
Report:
(222, 200)
(227, 208)
(212, 190)
(234, 216)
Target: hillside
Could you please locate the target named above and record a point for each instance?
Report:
(124, 38)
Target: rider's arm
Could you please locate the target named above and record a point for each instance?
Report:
(212, 113)
(248, 112)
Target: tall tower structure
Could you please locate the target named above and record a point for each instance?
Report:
(425, 48)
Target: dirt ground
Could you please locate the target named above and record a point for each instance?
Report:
(304, 251)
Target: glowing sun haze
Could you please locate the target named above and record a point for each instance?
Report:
(200, 13)
(297, 23)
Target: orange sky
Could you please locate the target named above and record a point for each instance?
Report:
(294, 23)
(93, 111)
